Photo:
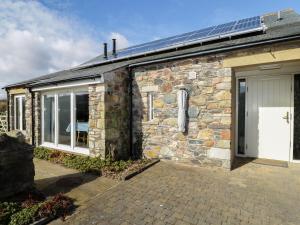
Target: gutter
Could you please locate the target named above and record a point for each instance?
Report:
(216, 50)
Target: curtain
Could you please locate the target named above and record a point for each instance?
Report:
(182, 107)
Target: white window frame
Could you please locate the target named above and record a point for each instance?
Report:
(19, 99)
(150, 108)
(72, 147)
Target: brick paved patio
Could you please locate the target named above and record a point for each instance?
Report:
(169, 193)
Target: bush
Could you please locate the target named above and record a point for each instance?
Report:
(30, 210)
(25, 216)
(84, 164)
(42, 153)
(7, 209)
(58, 206)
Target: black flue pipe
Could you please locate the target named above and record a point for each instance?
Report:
(105, 50)
(114, 50)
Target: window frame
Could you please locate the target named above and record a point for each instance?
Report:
(72, 147)
(19, 99)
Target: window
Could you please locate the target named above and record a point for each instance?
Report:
(19, 112)
(82, 119)
(241, 115)
(49, 118)
(150, 106)
(65, 120)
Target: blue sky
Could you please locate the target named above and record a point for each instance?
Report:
(144, 20)
(38, 37)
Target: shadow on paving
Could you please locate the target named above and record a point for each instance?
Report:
(63, 184)
(52, 178)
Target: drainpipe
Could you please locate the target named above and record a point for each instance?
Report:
(130, 112)
(8, 110)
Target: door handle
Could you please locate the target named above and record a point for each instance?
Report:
(287, 117)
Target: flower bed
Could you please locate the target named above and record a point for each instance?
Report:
(106, 167)
(23, 212)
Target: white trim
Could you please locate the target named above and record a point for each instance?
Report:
(289, 69)
(84, 151)
(72, 147)
(19, 99)
(70, 84)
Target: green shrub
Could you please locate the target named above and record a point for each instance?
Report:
(84, 164)
(25, 216)
(42, 153)
(7, 209)
(30, 211)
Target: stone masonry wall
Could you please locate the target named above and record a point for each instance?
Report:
(117, 134)
(37, 119)
(97, 120)
(11, 111)
(28, 116)
(207, 140)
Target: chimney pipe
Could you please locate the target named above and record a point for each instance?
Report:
(114, 50)
(105, 50)
(279, 15)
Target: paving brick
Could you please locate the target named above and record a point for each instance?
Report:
(169, 193)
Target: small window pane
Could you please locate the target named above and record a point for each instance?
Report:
(241, 115)
(17, 115)
(82, 120)
(49, 119)
(296, 148)
(64, 119)
(23, 114)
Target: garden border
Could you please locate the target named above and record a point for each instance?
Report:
(134, 173)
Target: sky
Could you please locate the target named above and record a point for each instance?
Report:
(40, 37)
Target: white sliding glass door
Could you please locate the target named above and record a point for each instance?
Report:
(49, 118)
(65, 120)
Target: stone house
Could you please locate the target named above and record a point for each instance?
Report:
(240, 79)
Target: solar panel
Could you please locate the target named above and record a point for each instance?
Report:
(242, 26)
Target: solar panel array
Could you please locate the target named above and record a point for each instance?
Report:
(207, 34)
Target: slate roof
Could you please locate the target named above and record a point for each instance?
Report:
(288, 26)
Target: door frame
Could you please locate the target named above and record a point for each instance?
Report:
(287, 69)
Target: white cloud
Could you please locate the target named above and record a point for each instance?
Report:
(121, 40)
(35, 40)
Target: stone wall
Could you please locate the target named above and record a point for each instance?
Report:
(37, 119)
(97, 120)
(16, 165)
(28, 116)
(208, 136)
(11, 112)
(109, 117)
(117, 134)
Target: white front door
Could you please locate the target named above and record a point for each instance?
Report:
(268, 117)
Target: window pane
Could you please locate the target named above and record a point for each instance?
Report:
(82, 120)
(64, 119)
(17, 115)
(241, 115)
(150, 106)
(49, 119)
(23, 114)
(296, 148)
